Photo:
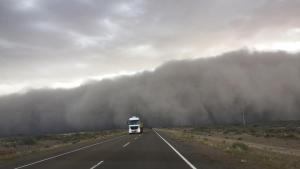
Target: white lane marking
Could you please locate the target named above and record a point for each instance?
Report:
(180, 155)
(136, 138)
(69, 152)
(97, 165)
(126, 144)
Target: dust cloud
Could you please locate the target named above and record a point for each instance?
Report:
(263, 85)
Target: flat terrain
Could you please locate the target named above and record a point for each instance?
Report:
(147, 150)
(161, 148)
(152, 149)
(12, 148)
(269, 146)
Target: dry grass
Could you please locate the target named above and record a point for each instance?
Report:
(238, 148)
(14, 147)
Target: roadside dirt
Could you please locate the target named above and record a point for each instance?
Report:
(261, 144)
(246, 155)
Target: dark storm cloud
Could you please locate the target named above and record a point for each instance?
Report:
(189, 92)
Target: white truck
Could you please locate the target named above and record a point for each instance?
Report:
(135, 125)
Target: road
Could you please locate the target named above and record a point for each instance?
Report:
(149, 150)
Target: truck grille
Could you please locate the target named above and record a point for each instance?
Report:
(134, 127)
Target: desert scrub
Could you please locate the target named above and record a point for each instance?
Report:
(238, 147)
(14, 147)
(27, 141)
(13, 142)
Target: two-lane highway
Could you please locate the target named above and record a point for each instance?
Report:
(148, 150)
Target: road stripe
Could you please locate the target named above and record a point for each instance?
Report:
(179, 154)
(97, 165)
(69, 152)
(126, 144)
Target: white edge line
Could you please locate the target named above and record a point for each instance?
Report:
(69, 152)
(97, 165)
(180, 155)
(126, 144)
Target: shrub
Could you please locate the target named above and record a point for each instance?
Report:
(239, 147)
(26, 141)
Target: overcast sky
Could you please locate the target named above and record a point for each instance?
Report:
(62, 43)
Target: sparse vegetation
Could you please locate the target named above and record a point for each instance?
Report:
(286, 130)
(13, 147)
(238, 147)
(269, 145)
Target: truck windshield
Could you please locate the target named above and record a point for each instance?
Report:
(133, 122)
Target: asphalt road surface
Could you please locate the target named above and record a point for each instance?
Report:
(151, 150)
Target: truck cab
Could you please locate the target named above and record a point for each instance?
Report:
(135, 125)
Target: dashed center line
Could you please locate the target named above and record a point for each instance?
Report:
(97, 165)
(66, 153)
(126, 144)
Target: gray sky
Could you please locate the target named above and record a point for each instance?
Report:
(62, 43)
